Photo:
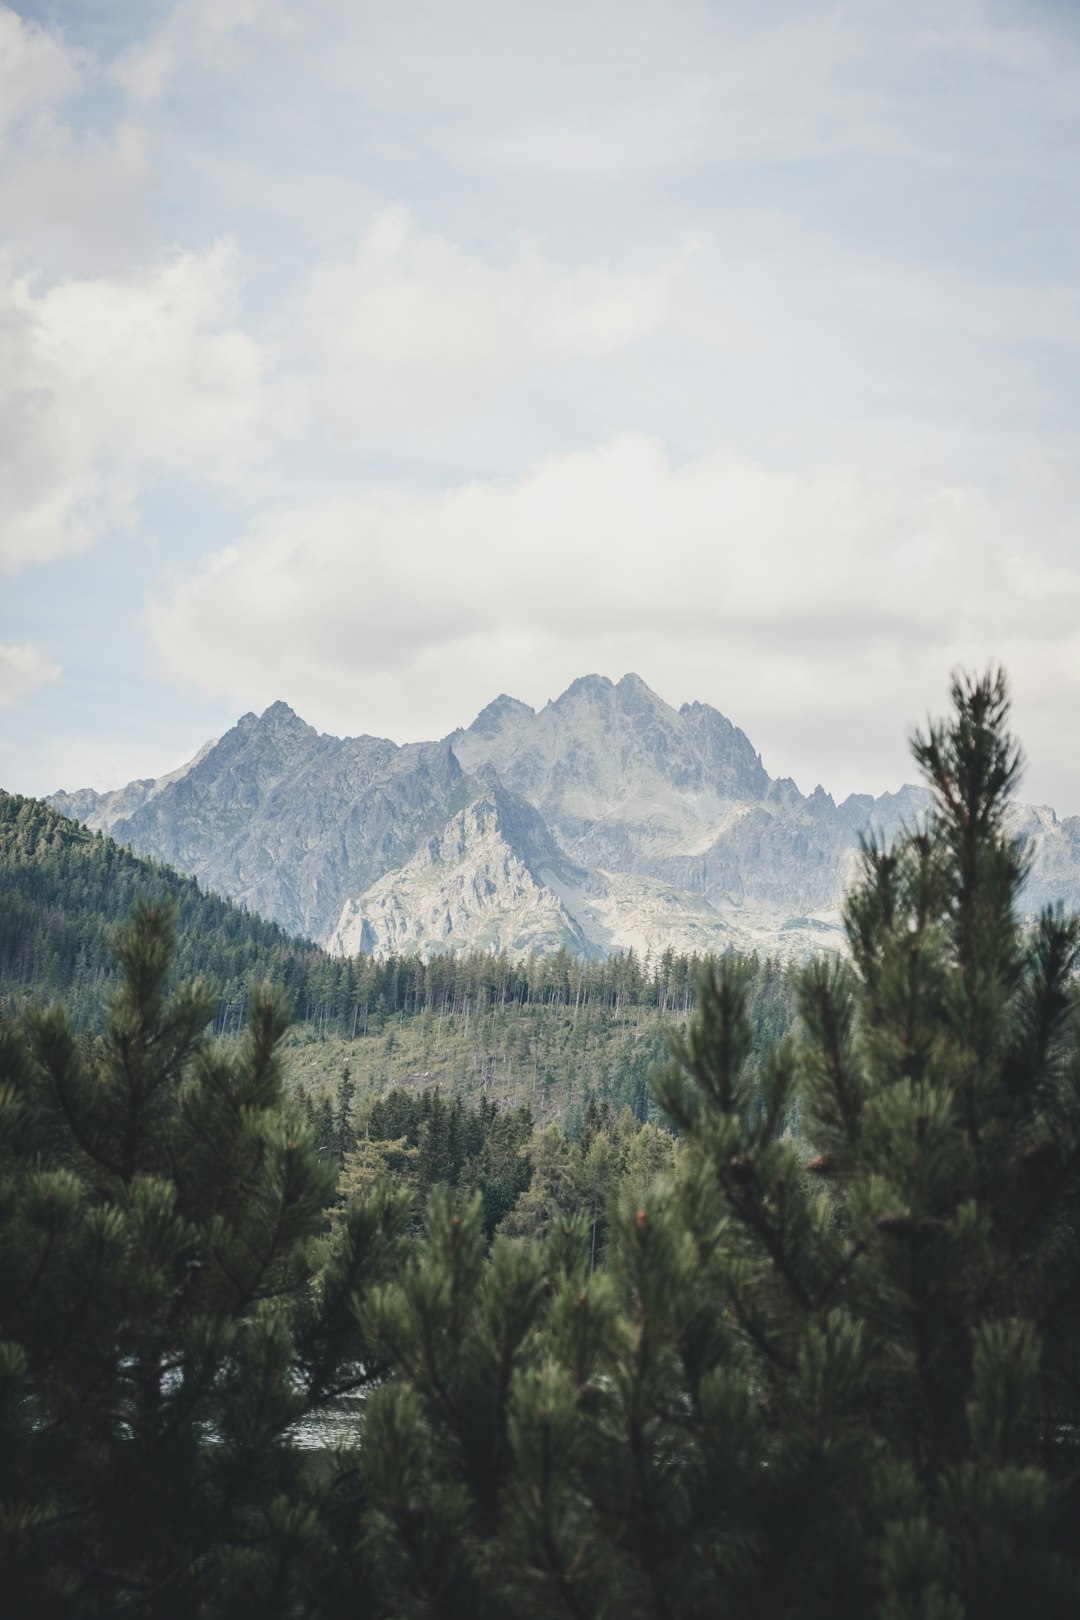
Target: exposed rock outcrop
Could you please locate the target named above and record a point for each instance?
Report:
(605, 820)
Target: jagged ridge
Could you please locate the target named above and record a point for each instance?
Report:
(607, 819)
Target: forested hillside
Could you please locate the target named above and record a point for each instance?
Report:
(552, 1056)
(63, 890)
(547, 1032)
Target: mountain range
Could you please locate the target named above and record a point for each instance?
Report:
(606, 820)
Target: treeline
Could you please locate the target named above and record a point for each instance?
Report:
(554, 1059)
(351, 995)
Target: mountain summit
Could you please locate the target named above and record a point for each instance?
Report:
(603, 821)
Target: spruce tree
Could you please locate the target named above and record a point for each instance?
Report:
(823, 1373)
(169, 1313)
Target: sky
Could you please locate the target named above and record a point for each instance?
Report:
(382, 358)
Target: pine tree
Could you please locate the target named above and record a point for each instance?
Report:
(346, 1093)
(168, 1310)
(818, 1376)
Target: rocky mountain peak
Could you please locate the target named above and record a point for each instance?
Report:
(606, 819)
(484, 881)
(628, 695)
(732, 764)
(500, 715)
(856, 809)
(280, 717)
(588, 687)
(634, 692)
(259, 749)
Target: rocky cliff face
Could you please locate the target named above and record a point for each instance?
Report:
(484, 882)
(615, 771)
(630, 785)
(289, 821)
(1053, 850)
(606, 820)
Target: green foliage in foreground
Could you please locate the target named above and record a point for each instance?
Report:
(170, 1309)
(820, 1378)
(830, 1379)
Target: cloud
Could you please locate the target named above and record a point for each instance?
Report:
(807, 605)
(76, 203)
(609, 89)
(72, 195)
(884, 198)
(604, 88)
(412, 321)
(195, 32)
(36, 68)
(23, 670)
(105, 380)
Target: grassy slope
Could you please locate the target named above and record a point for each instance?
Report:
(551, 1058)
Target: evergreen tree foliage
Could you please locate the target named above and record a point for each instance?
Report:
(63, 890)
(527, 1179)
(826, 1375)
(169, 1310)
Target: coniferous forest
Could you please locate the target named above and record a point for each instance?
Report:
(797, 1336)
(63, 888)
(549, 1033)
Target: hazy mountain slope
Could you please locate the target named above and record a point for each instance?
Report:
(1053, 849)
(630, 785)
(604, 820)
(290, 821)
(101, 811)
(482, 883)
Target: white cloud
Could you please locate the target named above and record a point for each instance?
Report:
(885, 195)
(104, 380)
(36, 68)
(605, 88)
(195, 32)
(808, 606)
(108, 380)
(76, 203)
(617, 88)
(413, 321)
(23, 669)
(72, 195)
